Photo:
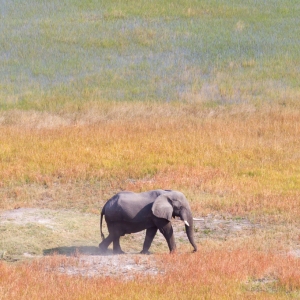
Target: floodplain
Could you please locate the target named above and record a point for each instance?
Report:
(197, 96)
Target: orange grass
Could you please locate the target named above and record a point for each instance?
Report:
(247, 157)
(208, 274)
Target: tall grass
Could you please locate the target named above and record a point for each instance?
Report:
(245, 154)
(210, 274)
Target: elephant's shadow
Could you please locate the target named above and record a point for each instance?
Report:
(76, 250)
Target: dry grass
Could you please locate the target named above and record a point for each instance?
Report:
(209, 274)
(247, 157)
(242, 160)
(231, 144)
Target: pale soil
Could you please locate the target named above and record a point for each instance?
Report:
(75, 236)
(125, 266)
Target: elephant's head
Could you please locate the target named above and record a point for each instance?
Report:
(174, 204)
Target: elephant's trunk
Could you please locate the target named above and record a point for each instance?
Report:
(190, 234)
(189, 227)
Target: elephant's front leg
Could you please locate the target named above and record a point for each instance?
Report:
(167, 232)
(150, 234)
(165, 227)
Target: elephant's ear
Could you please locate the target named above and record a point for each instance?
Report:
(161, 208)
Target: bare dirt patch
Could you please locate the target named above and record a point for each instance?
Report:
(24, 216)
(33, 233)
(126, 267)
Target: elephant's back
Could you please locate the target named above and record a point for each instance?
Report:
(129, 206)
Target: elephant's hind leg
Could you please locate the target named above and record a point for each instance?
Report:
(105, 243)
(116, 246)
(150, 234)
(116, 231)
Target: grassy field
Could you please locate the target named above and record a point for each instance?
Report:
(246, 156)
(198, 96)
(222, 274)
(60, 55)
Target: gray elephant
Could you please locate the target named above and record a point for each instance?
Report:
(128, 212)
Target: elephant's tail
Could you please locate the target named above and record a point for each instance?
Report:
(102, 214)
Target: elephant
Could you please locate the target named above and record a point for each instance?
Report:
(129, 212)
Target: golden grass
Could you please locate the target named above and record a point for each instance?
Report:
(247, 157)
(242, 160)
(208, 274)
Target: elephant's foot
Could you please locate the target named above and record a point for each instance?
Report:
(119, 251)
(102, 249)
(145, 252)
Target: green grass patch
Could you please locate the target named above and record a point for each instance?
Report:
(26, 232)
(57, 53)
